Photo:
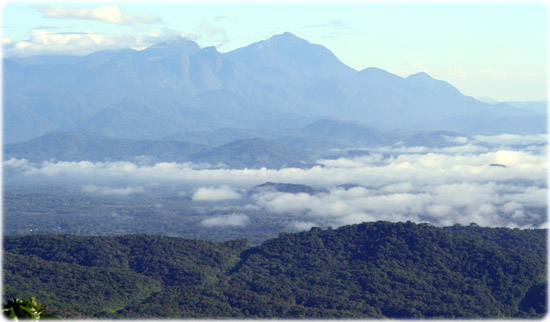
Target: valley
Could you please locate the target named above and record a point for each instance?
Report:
(272, 180)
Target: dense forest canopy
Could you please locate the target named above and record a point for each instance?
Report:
(368, 270)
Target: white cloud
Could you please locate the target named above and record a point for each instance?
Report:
(511, 139)
(223, 192)
(91, 188)
(439, 186)
(21, 164)
(302, 225)
(211, 33)
(416, 169)
(416, 64)
(107, 13)
(42, 41)
(227, 220)
(456, 139)
(487, 204)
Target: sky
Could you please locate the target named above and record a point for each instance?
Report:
(493, 49)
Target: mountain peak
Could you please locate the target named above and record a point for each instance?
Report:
(285, 36)
(294, 55)
(285, 40)
(174, 46)
(420, 75)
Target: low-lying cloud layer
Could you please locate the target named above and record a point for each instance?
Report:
(491, 185)
(227, 220)
(372, 170)
(125, 191)
(223, 192)
(488, 204)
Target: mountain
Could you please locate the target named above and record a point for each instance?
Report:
(236, 148)
(90, 146)
(279, 83)
(220, 136)
(435, 139)
(254, 153)
(286, 55)
(487, 99)
(537, 106)
(373, 270)
(284, 187)
(496, 119)
(347, 133)
(325, 135)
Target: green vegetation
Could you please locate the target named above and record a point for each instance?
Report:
(369, 270)
(30, 309)
(64, 208)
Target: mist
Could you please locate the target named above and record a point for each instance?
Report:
(486, 181)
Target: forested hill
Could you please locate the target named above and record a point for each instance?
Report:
(369, 270)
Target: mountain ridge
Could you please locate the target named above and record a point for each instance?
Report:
(368, 270)
(231, 147)
(271, 83)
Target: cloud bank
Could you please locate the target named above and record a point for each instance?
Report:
(42, 41)
(223, 192)
(489, 185)
(488, 204)
(374, 170)
(232, 220)
(91, 188)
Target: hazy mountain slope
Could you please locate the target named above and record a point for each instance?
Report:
(277, 83)
(489, 122)
(537, 106)
(220, 136)
(232, 147)
(89, 146)
(287, 55)
(254, 153)
(347, 133)
(436, 139)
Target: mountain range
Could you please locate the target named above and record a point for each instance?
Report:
(226, 147)
(280, 83)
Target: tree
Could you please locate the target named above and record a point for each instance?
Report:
(25, 309)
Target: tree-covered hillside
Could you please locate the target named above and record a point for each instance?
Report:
(369, 270)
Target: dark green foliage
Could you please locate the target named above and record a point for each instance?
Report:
(535, 300)
(523, 240)
(98, 276)
(370, 270)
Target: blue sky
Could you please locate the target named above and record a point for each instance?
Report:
(492, 49)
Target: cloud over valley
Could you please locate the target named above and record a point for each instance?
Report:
(223, 192)
(491, 185)
(225, 221)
